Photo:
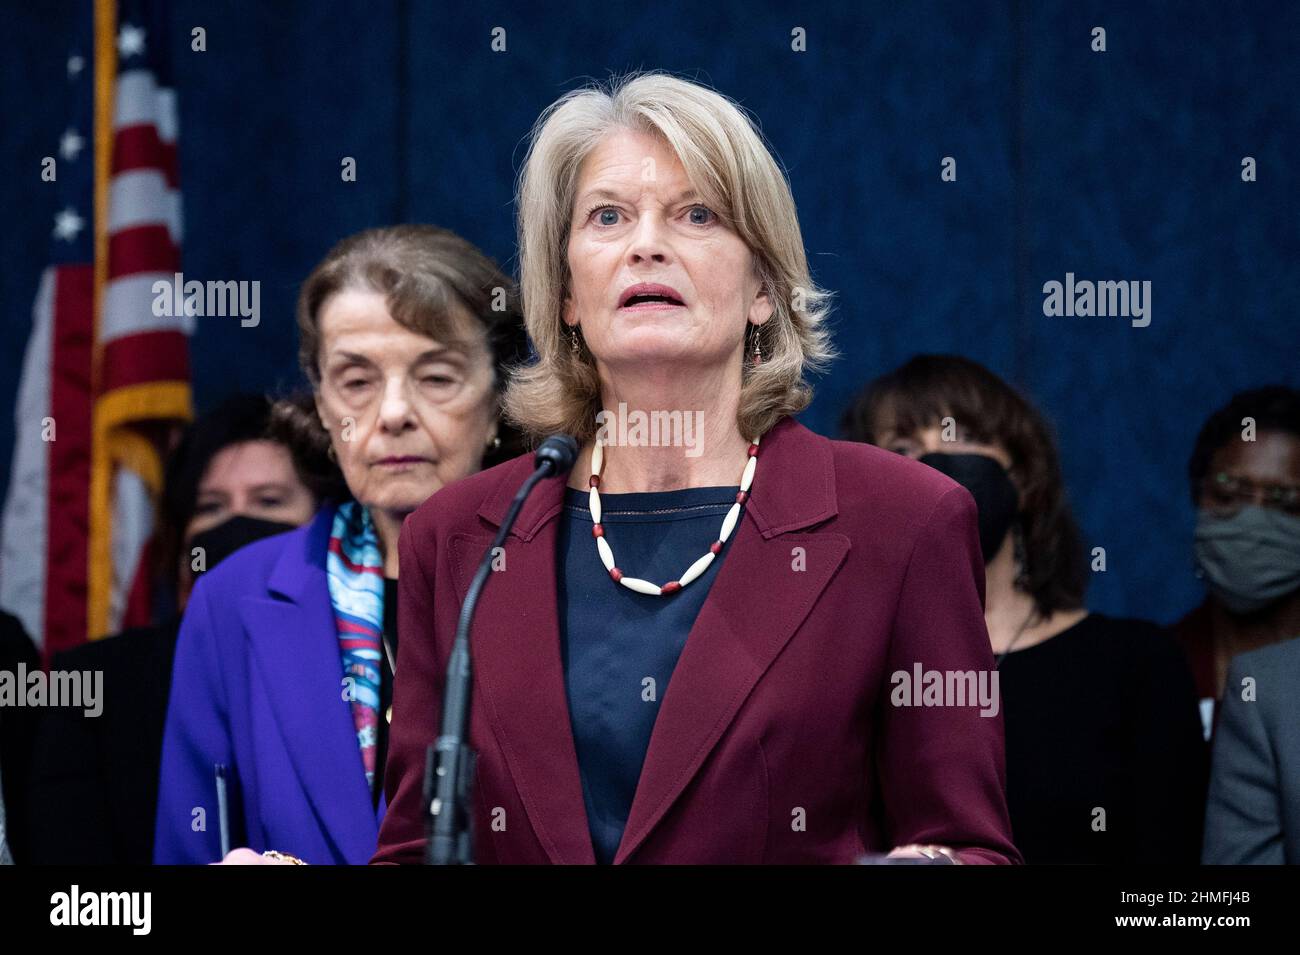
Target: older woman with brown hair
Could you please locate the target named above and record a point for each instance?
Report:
(688, 652)
(285, 661)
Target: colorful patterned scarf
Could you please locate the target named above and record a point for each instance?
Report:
(356, 580)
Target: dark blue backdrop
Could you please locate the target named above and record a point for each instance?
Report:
(1115, 165)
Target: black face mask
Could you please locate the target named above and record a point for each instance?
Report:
(988, 482)
(221, 541)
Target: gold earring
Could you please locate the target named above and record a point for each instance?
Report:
(573, 339)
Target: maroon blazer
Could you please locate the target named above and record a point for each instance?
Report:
(776, 740)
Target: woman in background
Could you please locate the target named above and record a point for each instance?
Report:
(1105, 762)
(230, 480)
(285, 662)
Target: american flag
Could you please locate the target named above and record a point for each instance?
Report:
(105, 380)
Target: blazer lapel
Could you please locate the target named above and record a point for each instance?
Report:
(295, 646)
(515, 644)
(756, 603)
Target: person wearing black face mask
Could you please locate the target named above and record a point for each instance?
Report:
(988, 482)
(94, 782)
(1100, 713)
(212, 546)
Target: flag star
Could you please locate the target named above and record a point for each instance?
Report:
(70, 145)
(75, 65)
(130, 41)
(67, 224)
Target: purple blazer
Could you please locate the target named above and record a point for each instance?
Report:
(258, 685)
(776, 740)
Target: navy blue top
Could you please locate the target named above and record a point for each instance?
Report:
(619, 647)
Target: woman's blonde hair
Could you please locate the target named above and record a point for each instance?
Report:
(725, 158)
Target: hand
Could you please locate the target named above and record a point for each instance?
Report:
(249, 857)
(934, 853)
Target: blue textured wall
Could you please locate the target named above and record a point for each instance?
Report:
(1122, 165)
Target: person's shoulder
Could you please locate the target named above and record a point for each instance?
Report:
(247, 569)
(1265, 680)
(867, 464)
(1127, 637)
(1143, 650)
(15, 644)
(1126, 629)
(455, 506)
(891, 486)
(127, 648)
(1280, 661)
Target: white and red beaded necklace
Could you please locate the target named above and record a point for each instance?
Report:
(697, 568)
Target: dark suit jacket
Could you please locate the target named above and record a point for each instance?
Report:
(1253, 813)
(776, 740)
(17, 738)
(95, 780)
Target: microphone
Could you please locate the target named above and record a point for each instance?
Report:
(449, 764)
(560, 451)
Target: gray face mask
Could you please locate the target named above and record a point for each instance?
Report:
(1250, 559)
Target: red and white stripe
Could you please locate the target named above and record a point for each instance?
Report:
(144, 238)
(44, 529)
(43, 563)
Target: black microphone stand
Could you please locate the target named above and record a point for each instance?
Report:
(449, 766)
